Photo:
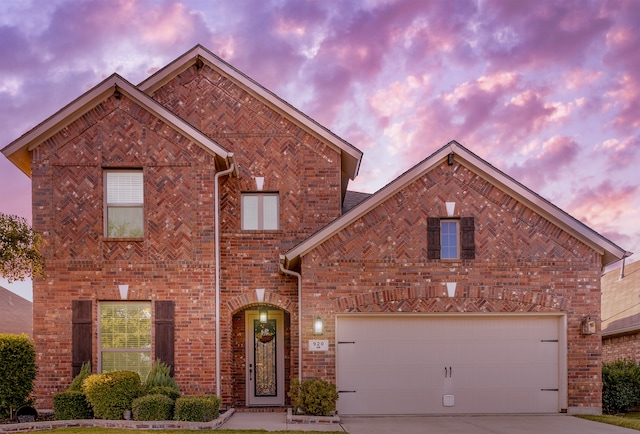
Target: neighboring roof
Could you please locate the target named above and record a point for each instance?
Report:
(621, 300)
(353, 198)
(350, 155)
(18, 150)
(16, 313)
(609, 251)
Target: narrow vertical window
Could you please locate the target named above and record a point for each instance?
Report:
(124, 204)
(125, 337)
(260, 211)
(449, 239)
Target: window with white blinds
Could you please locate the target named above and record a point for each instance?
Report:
(260, 211)
(124, 204)
(125, 337)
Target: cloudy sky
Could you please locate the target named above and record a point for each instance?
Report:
(547, 91)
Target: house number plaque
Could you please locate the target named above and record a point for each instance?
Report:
(318, 345)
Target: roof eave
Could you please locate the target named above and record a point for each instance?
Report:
(18, 150)
(350, 156)
(609, 251)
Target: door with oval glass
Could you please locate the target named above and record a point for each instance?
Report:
(265, 357)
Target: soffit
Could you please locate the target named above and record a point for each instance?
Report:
(18, 150)
(610, 252)
(350, 155)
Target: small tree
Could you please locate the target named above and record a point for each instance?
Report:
(18, 371)
(19, 249)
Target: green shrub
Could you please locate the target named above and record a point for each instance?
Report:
(160, 375)
(197, 408)
(152, 407)
(314, 396)
(71, 404)
(85, 371)
(166, 391)
(111, 393)
(18, 371)
(620, 386)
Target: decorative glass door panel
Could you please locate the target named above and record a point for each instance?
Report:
(265, 358)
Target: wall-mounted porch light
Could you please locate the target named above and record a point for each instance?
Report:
(318, 326)
(263, 315)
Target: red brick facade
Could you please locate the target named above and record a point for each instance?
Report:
(523, 262)
(621, 347)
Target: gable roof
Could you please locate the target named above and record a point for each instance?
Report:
(621, 300)
(16, 313)
(609, 251)
(350, 155)
(18, 150)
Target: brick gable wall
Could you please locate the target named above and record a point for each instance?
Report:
(523, 263)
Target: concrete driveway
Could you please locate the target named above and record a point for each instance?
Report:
(508, 424)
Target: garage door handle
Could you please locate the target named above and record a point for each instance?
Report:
(346, 391)
(448, 373)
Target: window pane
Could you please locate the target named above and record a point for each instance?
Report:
(124, 222)
(250, 212)
(449, 240)
(125, 337)
(124, 187)
(270, 209)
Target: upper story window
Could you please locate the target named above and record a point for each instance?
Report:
(124, 208)
(451, 238)
(260, 211)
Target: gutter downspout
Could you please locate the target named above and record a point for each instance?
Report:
(230, 170)
(299, 277)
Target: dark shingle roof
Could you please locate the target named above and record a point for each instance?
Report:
(353, 198)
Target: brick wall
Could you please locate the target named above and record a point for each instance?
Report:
(621, 347)
(175, 260)
(523, 263)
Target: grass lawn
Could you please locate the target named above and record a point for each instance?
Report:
(173, 431)
(631, 420)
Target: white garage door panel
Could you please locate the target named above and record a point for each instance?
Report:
(405, 364)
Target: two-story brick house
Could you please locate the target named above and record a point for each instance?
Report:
(199, 219)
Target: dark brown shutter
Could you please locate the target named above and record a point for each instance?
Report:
(81, 330)
(467, 238)
(433, 238)
(165, 334)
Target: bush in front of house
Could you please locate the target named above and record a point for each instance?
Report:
(76, 383)
(164, 390)
(71, 404)
(160, 376)
(152, 407)
(111, 393)
(18, 372)
(620, 386)
(197, 408)
(315, 396)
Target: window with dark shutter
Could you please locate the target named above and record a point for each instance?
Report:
(165, 334)
(81, 329)
(433, 238)
(467, 238)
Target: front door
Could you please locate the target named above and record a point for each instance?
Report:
(265, 358)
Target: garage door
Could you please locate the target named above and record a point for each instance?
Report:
(412, 364)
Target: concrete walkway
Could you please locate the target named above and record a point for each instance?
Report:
(507, 424)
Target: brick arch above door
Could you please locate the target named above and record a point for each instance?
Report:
(250, 299)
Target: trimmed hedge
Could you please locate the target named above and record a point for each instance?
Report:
(18, 372)
(197, 408)
(620, 386)
(71, 404)
(314, 397)
(152, 407)
(111, 393)
(164, 390)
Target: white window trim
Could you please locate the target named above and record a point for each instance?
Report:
(108, 204)
(260, 210)
(457, 233)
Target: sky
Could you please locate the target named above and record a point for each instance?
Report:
(546, 91)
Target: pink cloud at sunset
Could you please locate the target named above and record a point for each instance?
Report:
(546, 91)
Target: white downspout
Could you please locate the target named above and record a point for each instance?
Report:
(216, 190)
(299, 277)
